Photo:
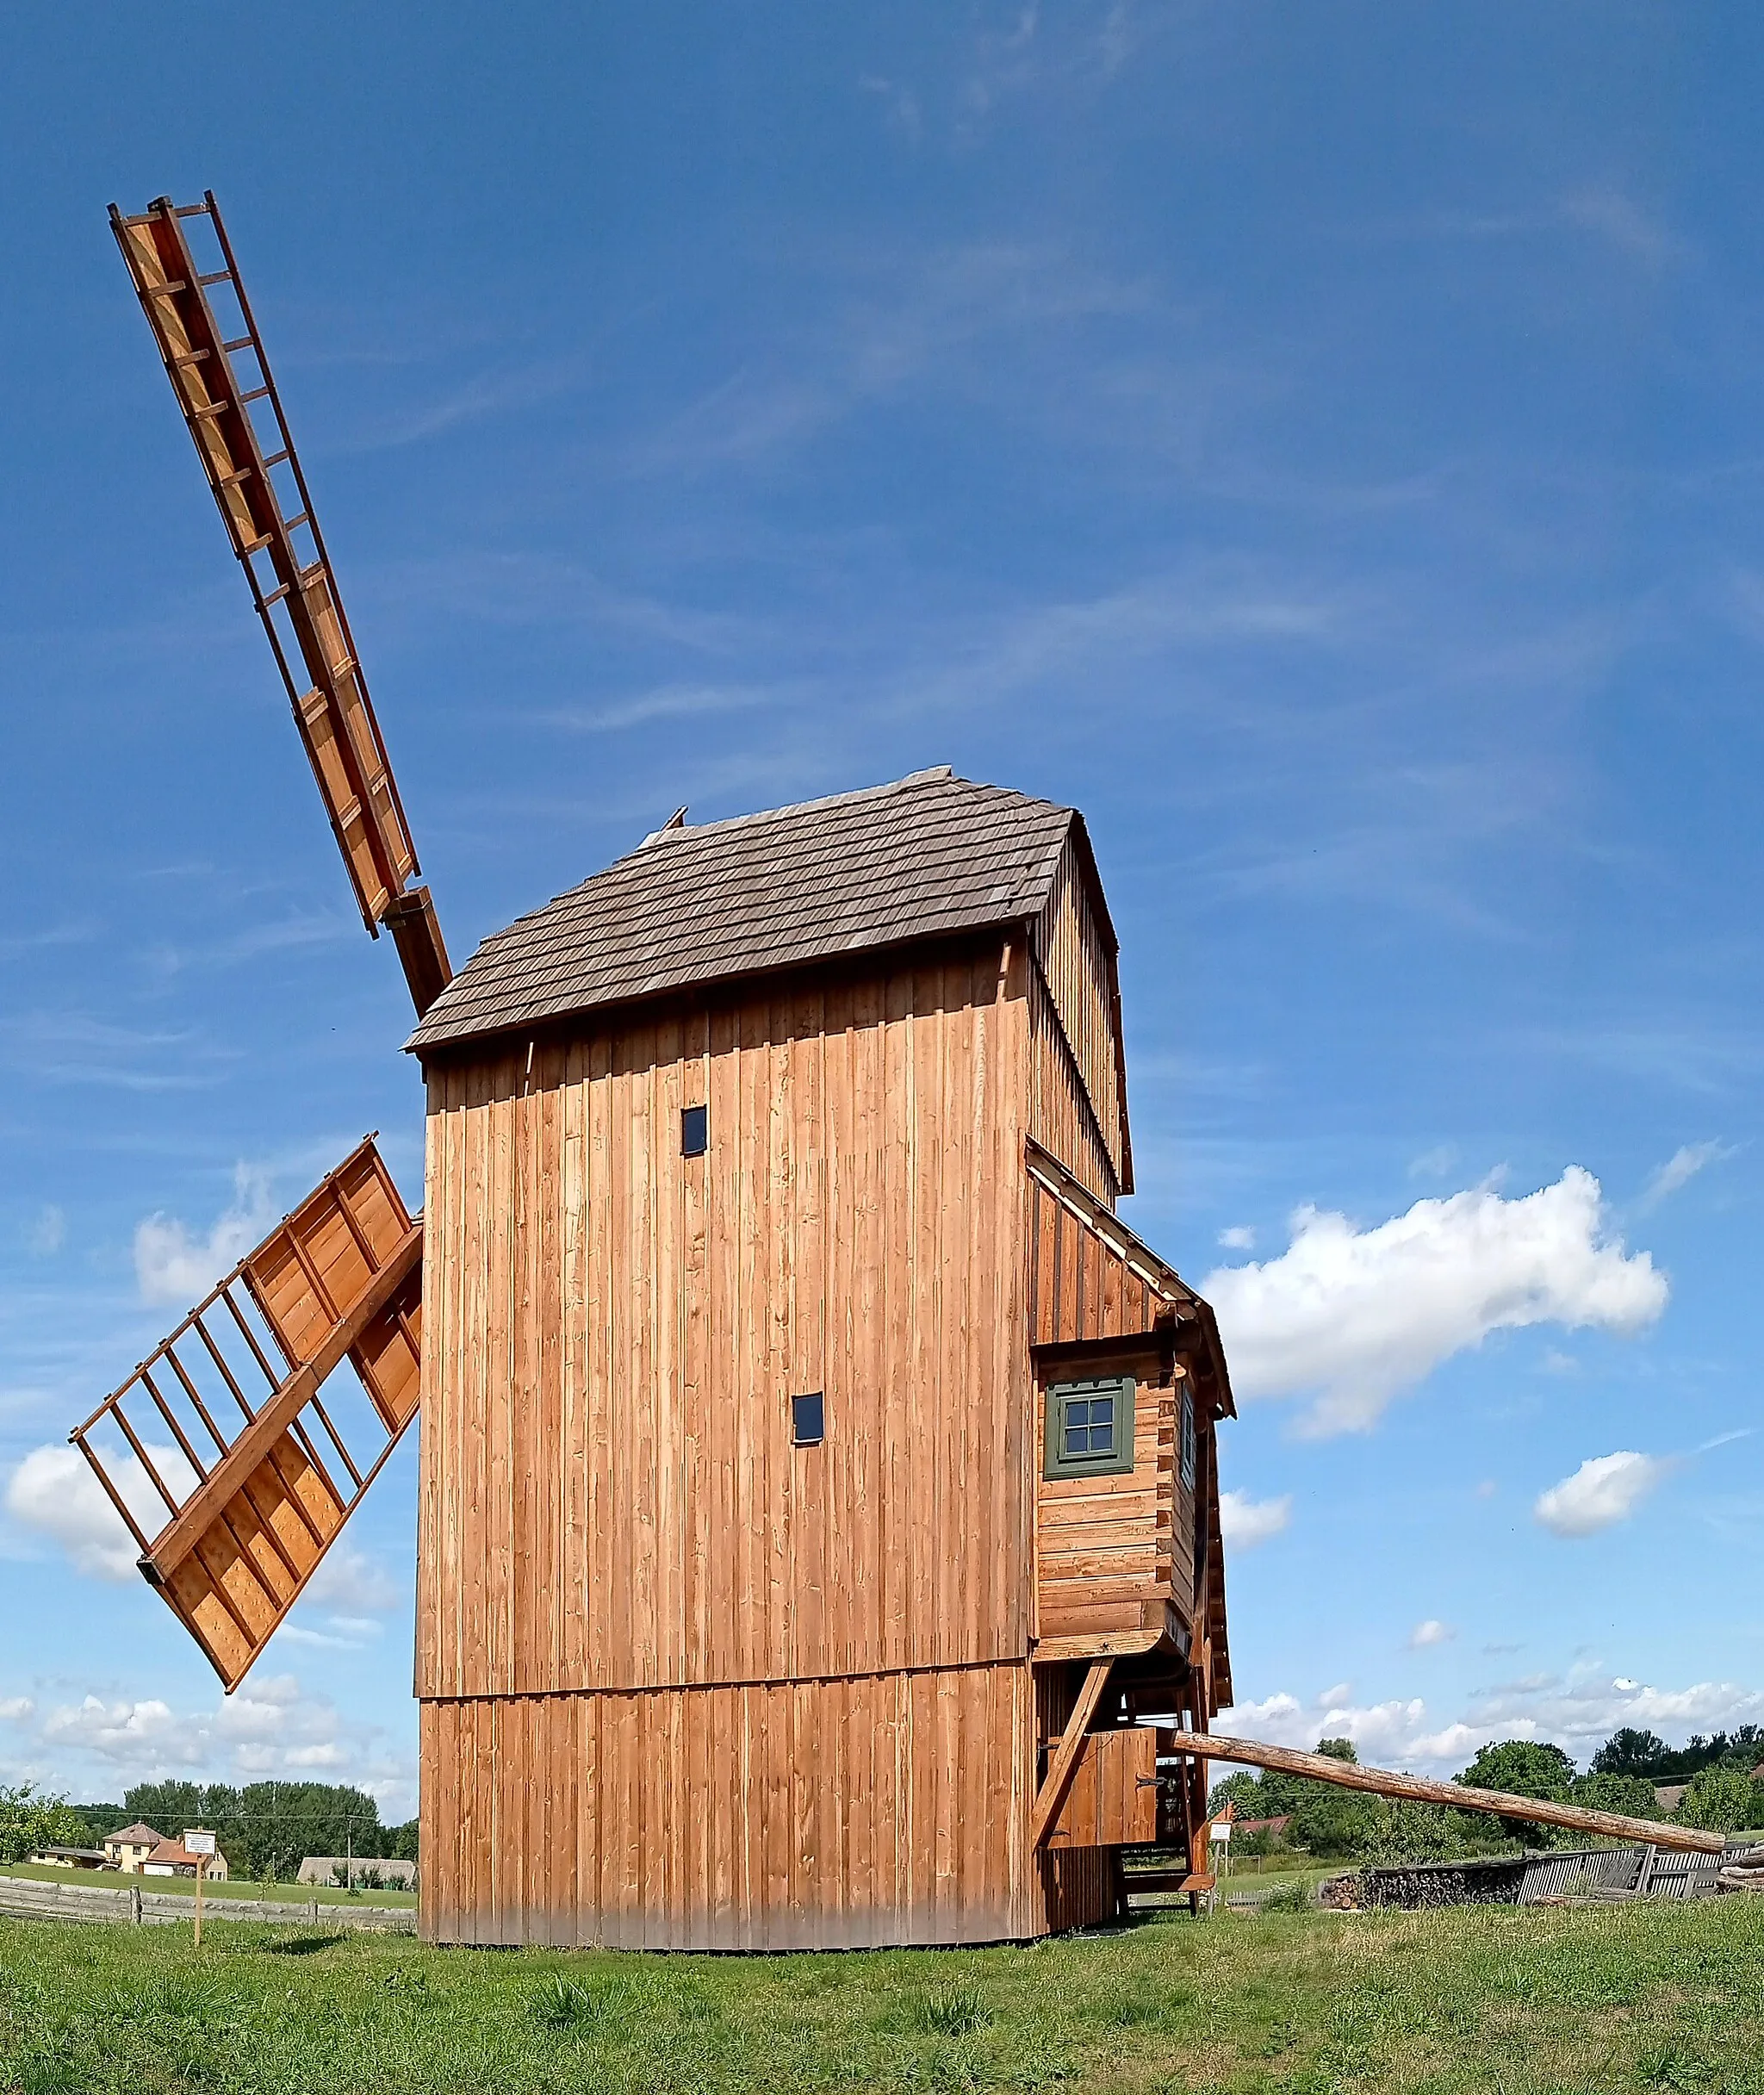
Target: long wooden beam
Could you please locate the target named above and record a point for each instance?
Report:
(180, 1537)
(1417, 1789)
(1063, 1765)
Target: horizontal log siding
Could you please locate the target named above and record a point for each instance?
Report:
(1111, 1551)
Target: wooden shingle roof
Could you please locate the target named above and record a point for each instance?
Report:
(927, 855)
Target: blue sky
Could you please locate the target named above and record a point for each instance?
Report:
(1323, 443)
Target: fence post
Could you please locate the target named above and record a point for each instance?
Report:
(134, 1903)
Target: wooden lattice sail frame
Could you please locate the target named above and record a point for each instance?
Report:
(248, 1519)
(254, 473)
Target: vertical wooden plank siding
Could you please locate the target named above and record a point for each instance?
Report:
(610, 1493)
(685, 1683)
(790, 1815)
(1078, 969)
(1060, 1115)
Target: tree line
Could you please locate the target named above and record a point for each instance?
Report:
(265, 1829)
(1722, 1794)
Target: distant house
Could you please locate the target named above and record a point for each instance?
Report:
(338, 1868)
(1274, 1828)
(72, 1858)
(1669, 1795)
(172, 1859)
(130, 1847)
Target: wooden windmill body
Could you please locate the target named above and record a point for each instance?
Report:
(818, 1501)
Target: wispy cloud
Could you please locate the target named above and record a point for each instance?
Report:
(74, 1049)
(1679, 1168)
(173, 1265)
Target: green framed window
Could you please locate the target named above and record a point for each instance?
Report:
(1089, 1428)
(1190, 1444)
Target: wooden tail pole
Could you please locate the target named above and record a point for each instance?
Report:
(1417, 1789)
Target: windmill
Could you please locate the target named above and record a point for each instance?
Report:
(230, 1468)
(819, 1539)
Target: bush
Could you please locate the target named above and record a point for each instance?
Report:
(1723, 1799)
(1629, 1794)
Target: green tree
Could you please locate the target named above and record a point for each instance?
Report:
(1723, 1799)
(29, 1821)
(1643, 1755)
(1331, 1821)
(1523, 1767)
(1603, 1791)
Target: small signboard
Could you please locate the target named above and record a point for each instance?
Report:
(1222, 1829)
(198, 1843)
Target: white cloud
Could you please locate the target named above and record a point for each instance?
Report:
(1605, 1489)
(172, 1266)
(1241, 1237)
(1244, 1522)
(1679, 1168)
(48, 1232)
(1352, 1318)
(349, 1580)
(16, 1708)
(1430, 1632)
(54, 1492)
(1380, 1731)
(1340, 1693)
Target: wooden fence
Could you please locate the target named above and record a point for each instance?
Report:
(28, 1897)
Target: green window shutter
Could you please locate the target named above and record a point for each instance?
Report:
(1089, 1428)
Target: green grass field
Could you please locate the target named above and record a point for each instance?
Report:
(235, 1888)
(1530, 2001)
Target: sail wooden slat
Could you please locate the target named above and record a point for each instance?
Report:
(340, 1278)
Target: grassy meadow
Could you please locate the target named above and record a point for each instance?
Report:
(1532, 2001)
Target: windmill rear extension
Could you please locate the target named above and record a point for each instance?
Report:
(818, 1488)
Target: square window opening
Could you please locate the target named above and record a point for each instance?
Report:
(1089, 1427)
(694, 1131)
(808, 1420)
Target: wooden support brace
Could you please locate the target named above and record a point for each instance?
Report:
(1063, 1765)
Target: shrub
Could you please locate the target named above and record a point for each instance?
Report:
(1723, 1799)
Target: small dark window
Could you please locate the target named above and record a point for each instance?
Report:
(694, 1131)
(808, 1420)
(1188, 1445)
(1090, 1428)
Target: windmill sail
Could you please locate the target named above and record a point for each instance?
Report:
(219, 378)
(232, 1471)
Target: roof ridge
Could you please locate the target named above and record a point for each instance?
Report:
(934, 774)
